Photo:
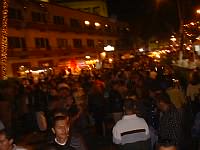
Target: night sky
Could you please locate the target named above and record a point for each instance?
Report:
(152, 17)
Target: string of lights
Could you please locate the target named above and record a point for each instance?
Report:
(4, 40)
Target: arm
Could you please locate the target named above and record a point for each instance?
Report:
(116, 135)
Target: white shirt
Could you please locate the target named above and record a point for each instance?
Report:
(128, 130)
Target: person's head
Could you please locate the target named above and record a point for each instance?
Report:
(63, 90)
(6, 143)
(61, 125)
(129, 106)
(163, 101)
(167, 145)
(167, 148)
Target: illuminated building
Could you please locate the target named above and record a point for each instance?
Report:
(43, 34)
(98, 7)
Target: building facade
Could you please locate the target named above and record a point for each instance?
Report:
(98, 7)
(44, 34)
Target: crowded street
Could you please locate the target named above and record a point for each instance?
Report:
(99, 75)
(94, 101)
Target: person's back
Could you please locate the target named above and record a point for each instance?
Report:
(131, 132)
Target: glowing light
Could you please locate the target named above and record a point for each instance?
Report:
(87, 57)
(192, 23)
(106, 25)
(173, 39)
(110, 60)
(97, 24)
(109, 48)
(87, 22)
(141, 50)
(198, 11)
(4, 39)
(188, 48)
(103, 55)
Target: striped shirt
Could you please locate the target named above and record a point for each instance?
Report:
(130, 129)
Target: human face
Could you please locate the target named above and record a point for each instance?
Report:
(61, 130)
(5, 144)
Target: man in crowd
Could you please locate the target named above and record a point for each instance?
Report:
(170, 120)
(61, 130)
(131, 132)
(6, 143)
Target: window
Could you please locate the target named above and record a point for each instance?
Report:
(16, 42)
(74, 23)
(77, 43)
(62, 43)
(90, 43)
(58, 20)
(96, 10)
(15, 14)
(38, 17)
(86, 9)
(42, 43)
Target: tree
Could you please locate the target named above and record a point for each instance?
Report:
(4, 39)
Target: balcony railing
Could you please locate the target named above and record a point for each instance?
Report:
(54, 52)
(61, 28)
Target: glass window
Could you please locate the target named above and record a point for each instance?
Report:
(96, 10)
(74, 23)
(90, 43)
(77, 43)
(15, 14)
(16, 42)
(41, 43)
(38, 17)
(62, 43)
(58, 20)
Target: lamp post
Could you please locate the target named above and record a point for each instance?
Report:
(4, 40)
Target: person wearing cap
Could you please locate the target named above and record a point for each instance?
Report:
(131, 132)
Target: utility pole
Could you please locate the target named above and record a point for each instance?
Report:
(4, 40)
(181, 23)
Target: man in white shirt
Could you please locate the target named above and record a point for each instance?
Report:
(131, 132)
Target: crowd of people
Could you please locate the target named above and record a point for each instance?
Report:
(144, 102)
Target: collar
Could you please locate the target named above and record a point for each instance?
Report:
(60, 143)
(129, 116)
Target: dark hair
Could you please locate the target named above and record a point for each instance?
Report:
(166, 143)
(129, 105)
(6, 133)
(163, 97)
(59, 118)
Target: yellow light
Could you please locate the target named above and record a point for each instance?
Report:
(87, 22)
(110, 60)
(87, 57)
(192, 23)
(97, 24)
(4, 39)
(198, 11)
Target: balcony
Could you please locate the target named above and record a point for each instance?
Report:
(42, 52)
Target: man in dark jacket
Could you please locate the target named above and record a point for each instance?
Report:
(170, 121)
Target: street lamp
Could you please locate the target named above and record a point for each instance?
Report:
(198, 11)
(4, 39)
(109, 48)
